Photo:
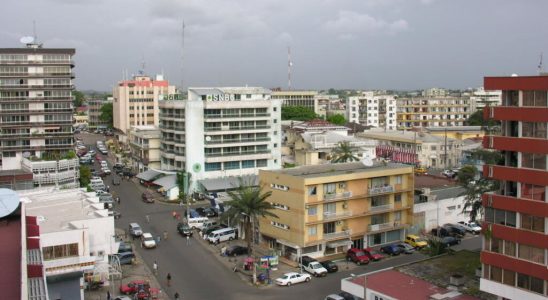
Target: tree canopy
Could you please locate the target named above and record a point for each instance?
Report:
(474, 189)
(85, 175)
(297, 113)
(344, 152)
(107, 114)
(79, 98)
(337, 119)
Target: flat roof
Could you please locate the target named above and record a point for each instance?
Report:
(318, 171)
(399, 285)
(10, 257)
(38, 50)
(433, 182)
(522, 83)
(55, 209)
(228, 90)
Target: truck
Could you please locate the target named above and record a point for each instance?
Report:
(313, 267)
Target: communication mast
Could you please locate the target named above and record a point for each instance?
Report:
(289, 64)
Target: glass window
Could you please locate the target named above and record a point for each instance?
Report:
(312, 210)
(312, 190)
(509, 248)
(523, 281)
(533, 192)
(500, 217)
(399, 179)
(534, 98)
(533, 161)
(509, 277)
(329, 188)
(312, 230)
(329, 227)
(248, 164)
(531, 253)
(533, 130)
(510, 218)
(489, 215)
(537, 285)
(496, 274)
(496, 245)
(261, 163)
(533, 223)
(212, 167)
(232, 165)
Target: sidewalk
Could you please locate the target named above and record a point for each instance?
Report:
(137, 271)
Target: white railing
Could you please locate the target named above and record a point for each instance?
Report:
(381, 189)
(338, 234)
(381, 207)
(377, 227)
(337, 196)
(333, 215)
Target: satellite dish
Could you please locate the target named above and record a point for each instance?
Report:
(208, 138)
(26, 154)
(367, 160)
(9, 202)
(27, 40)
(514, 75)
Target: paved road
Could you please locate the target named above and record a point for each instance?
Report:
(198, 275)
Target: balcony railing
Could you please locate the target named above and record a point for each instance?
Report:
(237, 153)
(382, 207)
(335, 215)
(232, 141)
(237, 128)
(382, 226)
(381, 190)
(339, 234)
(217, 116)
(344, 195)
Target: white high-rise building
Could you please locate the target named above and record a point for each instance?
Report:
(373, 110)
(481, 98)
(218, 132)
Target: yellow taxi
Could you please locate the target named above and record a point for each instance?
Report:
(415, 241)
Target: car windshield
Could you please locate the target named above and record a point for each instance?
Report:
(316, 266)
(149, 239)
(473, 224)
(285, 277)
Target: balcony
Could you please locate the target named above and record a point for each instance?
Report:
(514, 113)
(336, 215)
(237, 141)
(381, 190)
(337, 235)
(236, 153)
(209, 129)
(523, 144)
(532, 176)
(382, 226)
(382, 207)
(337, 196)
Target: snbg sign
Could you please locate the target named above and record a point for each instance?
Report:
(221, 97)
(172, 97)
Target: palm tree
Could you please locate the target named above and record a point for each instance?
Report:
(246, 205)
(344, 153)
(474, 189)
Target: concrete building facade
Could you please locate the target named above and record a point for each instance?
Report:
(144, 142)
(373, 110)
(323, 210)
(306, 99)
(515, 245)
(432, 111)
(481, 98)
(35, 103)
(136, 101)
(94, 112)
(220, 132)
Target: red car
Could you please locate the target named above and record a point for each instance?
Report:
(98, 157)
(373, 254)
(134, 286)
(357, 256)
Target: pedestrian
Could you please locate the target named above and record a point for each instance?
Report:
(165, 235)
(118, 200)
(147, 217)
(108, 295)
(158, 239)
(174, 214)
(188, 240)
(155, 268)
(176, 296)
(168, 279)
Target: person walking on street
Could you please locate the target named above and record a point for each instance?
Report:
(187, 240)
(165, 235)
(176, 296)
(147, 217)
(158, 239)
(155, 268)
(168, 279)
(108, 295)
(174, 214)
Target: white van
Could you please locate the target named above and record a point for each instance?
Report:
(197, 222)
(96, 181)
(222, 235)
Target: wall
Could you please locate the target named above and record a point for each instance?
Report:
(439, 208)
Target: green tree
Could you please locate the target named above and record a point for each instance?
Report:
(337, 119)
(297, 113)
(247, 203)
(79, 98)
(344, 152)
(184, 182)
(473, 189)
(85, 175)
(436, 246)
(107, 114)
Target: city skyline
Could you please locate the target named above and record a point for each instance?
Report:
(391, 44)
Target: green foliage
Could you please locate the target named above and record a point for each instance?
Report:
(85, 175)
(298, 113)
(184, 182)
(79, 98)
(107, 114)
(288, 165)
(70, 155)
(337, 119)
(247, 203)
(467, 174)
(474, 189)
(490, 157)
(476, 119)
(344, 152)
(436, 246)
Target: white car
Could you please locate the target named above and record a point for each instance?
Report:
(106, 170)
(293, 277)
(148, 241)
(470, 227)
(104, 164)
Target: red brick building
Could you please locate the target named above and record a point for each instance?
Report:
(515, 247)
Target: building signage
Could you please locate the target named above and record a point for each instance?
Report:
(221, 97)
(172, 97)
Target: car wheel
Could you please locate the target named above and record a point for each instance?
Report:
(289, 283)
(307, 279)
(358, 263)
(230, 238)
(234, 254)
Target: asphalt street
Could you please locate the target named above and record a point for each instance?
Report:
(198, 275)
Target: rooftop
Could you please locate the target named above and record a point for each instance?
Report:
(398, 285)
(228, 90)
(38, 50)
(523, 83)
(56, 209)
(454, 128)
(433, 182)
(318, 124)
(403, 136)
(317, 171)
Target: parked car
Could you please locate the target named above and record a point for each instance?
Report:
(210, 229)
(123, 298)
(391, 249)
(106, 171)
(449, 173)
(450, 241)
(200, 211)
(406, 248)
(125, 258)
(373, 255)
(330, 266)
(455, 230)
(116, 180)
(471, 227)
(440, 232)
(135, 229)
(421, 170)
(117, 167)
(312, 266)
(357, 256)
(415, 241)
(210, 212)
(184, 229)
(292, 278)
(134, 286)
(147, 197)
(347, 296)
(148, 240)
(236, 250)
(91, 152)
(125, 247)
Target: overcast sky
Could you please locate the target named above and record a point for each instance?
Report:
(364, 44)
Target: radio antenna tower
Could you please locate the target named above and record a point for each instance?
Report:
(183, 58)
(289, 64)
(540, 67)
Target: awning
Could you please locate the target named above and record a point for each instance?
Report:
(166, 182)
(148, 175)
(336, 244)
(227, 183)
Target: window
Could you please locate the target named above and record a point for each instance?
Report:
(531, 191)
(533, 161)
(531, 283)
(248, 164)
(509, 277)
(212, 167)
(232, 165)
(533, 223)
(312, 190)
(496, 245)
(534, 98)
(399, 179)
(509, 248)
(531, 253)
(533, 130)
(397, 199)
(329, 227)
(312, 230)
(502, 217)
(312, 210)
(496, 274)
(60, 251)
(261, 163)
(329, 188)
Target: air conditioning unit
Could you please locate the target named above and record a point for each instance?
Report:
(339, 223)
(342, 185)
(345, 205)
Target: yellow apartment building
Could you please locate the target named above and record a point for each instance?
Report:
(325, 209)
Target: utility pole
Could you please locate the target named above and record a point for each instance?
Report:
(445, 154)
(289, 64)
